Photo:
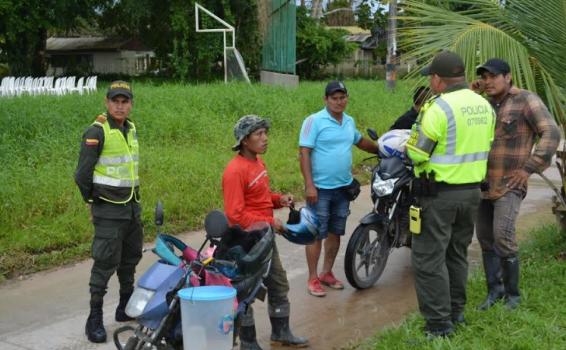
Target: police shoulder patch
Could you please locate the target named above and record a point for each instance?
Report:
(101, 119)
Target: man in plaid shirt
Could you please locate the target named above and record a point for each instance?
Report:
(522, 119)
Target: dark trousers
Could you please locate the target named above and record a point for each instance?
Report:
(116, 247)
(277, 290)
(439, 254)
(496, 224)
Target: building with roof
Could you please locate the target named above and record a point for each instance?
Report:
(98, 55)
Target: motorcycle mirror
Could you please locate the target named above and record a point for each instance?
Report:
(215, 224)
(159, 214)
(372, 134)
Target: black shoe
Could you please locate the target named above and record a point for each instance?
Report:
(248, 339)
(493, 272)
(121, 315)
(94, 328)
(281, 334)
(458, 320)
(433, 333)
(510, 267)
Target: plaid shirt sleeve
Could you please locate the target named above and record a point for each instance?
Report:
(522, 120)
(543, 124)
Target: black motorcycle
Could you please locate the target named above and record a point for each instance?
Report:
(385, 227)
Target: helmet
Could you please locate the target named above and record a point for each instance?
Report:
(392, 143)
(305, 231)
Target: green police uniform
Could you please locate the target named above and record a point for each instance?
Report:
(107, 176)
(449, 146)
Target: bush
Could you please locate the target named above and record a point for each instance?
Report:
(4, 70)
(318, 46)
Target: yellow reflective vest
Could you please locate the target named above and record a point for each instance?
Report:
(116, 172)
(452, 137)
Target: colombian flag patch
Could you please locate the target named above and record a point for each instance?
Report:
(91, 142)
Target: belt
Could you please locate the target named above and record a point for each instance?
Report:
(443, 186)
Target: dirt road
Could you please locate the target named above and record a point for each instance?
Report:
(48, 310)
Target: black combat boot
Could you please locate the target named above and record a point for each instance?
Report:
(94, 327)
(248, 339)
(510, 268)
(281, 334)
(492, 269)
(121, 315)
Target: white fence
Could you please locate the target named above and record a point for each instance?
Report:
(12, 86)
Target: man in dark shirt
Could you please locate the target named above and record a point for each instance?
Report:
(407, 120)
(107, 177)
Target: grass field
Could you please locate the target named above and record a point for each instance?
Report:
(185, 134)
(539, 323)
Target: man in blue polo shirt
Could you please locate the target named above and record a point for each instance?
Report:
(326, 163)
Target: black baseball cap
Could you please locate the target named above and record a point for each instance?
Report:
(119, 87)
(494, 66)
(446, 64)
(335, 86)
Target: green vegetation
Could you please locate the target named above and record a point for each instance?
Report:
(185, 135)
(539, 323)
(318, 46)
(482, 29)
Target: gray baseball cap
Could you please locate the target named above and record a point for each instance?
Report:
(245, 126)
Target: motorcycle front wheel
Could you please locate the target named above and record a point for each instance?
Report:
(366, 255)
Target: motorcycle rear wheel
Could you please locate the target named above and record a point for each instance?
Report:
(366, 255)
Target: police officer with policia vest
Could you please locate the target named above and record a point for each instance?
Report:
(449, 147)
(107, 176)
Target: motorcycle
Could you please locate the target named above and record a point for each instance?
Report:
(386, 226)
(155, 304)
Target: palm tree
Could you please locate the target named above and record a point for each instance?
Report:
(529, 34)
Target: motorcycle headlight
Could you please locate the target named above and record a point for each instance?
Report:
(383, 187)
(138, 301)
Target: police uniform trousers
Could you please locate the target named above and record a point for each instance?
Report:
(439, 254)
(277, 290)
(117, 245)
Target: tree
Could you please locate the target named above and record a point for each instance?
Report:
(168, 26)
(339, 13)
(318, 46)
(25, 25)
(529, 34)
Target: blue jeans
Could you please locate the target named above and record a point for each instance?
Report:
(332, 210)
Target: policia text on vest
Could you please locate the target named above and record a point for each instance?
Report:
(449, 146)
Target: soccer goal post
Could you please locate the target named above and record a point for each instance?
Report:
(234, 66)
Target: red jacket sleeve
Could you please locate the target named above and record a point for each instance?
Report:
(233, 184)
(276, 200)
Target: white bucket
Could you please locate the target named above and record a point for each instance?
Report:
(207, 314)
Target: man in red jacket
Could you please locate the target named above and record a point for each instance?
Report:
(247, 200)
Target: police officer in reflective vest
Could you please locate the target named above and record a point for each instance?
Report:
(107, 176)
(449, 147)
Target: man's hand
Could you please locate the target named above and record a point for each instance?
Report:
(286, 200)
(278, 225)
(311, 194)
(518, 179)
(478, 86)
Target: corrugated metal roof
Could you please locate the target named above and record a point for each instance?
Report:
(94, 44)
(352, 29)
(358, 38)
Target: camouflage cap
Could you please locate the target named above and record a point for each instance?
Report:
(245, 126)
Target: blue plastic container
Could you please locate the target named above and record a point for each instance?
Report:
(207, 315)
